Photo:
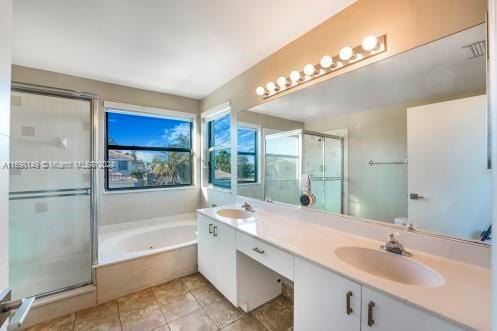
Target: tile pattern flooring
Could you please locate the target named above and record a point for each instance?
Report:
(187, 304)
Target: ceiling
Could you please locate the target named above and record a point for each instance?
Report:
(183, 47)
(436, 70)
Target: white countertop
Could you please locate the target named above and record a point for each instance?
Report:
(465, 297)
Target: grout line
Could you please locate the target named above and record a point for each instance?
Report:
(119, 315)
(158, 305)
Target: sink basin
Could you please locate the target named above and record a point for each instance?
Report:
(390, 266)
(235, 213)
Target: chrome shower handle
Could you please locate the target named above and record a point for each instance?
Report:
(20, 315)
(22, 308)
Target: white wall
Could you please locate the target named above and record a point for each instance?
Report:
(492, 104)
(5, 72)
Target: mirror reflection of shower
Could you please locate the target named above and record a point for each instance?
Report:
(293, 154)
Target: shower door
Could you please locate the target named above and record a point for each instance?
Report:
(50, 195)
(323, 162)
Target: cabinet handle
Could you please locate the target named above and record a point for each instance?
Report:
(349, 308)
(258, 250)
(370, 313)
(210, 228)
(214, 232)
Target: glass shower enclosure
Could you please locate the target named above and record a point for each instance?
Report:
(52, 201)
(290, 155)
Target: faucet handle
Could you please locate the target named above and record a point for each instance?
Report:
(411, 226)
(392, 237)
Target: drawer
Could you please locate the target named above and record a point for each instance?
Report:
(270, 256)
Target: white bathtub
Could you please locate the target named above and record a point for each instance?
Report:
(145, 238)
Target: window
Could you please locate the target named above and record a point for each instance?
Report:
(219, 144)
(247, 155)
(147, 151)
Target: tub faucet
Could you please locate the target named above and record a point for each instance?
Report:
(393, 245)
(247, 207)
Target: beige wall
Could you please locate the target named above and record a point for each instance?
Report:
(375, 192)
(407, 24)
(5, 68)
(124, 207)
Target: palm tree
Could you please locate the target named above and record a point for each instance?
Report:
(174, 170)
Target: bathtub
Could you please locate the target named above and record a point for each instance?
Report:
(141, 254)
(147, 241)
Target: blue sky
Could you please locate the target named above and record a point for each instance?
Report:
(246, 140)
(133, 130)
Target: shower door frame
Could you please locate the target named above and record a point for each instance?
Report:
(94, 101)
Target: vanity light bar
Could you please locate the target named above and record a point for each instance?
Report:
(370, 46)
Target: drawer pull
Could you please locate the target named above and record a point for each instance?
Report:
(210, 228)
(258, 250)
(349, 308)
(370, 313)
(214, 232)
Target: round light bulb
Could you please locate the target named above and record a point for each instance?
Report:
(369, 43)
(260, 90)
(295, 76)
(309, 70)
(282, 82)
(346, 53)
(271, 87)
(326, 62)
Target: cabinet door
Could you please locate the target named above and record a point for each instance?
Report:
(205, 247)
(381, 312)
(322, 299)
(225, 261)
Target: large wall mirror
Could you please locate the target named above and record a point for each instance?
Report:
(402, 140)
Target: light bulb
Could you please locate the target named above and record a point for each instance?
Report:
(346, 53)
(369, 43)
(295, 76)
(326, 62)
(260, 90)
(271, 87)
(309, 70)
(282, 82)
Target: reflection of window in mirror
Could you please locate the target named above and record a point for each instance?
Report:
(248, 153)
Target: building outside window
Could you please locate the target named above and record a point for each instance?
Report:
(147, 151)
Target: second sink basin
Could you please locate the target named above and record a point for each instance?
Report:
(234, 213)
(390, 266)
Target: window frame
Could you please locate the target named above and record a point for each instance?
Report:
(108, 147)
(255, 154)
(210, 149)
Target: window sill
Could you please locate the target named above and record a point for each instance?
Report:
(249, 184)
(219, 189)
(191, 187)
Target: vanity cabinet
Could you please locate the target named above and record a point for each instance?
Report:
(382, 312)
(323, 300)
(217, 255)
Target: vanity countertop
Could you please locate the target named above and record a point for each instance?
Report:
(464, 298)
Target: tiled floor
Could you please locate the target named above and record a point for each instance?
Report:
(187, 304)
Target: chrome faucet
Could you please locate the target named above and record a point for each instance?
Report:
(393, 245)
(247, 207)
